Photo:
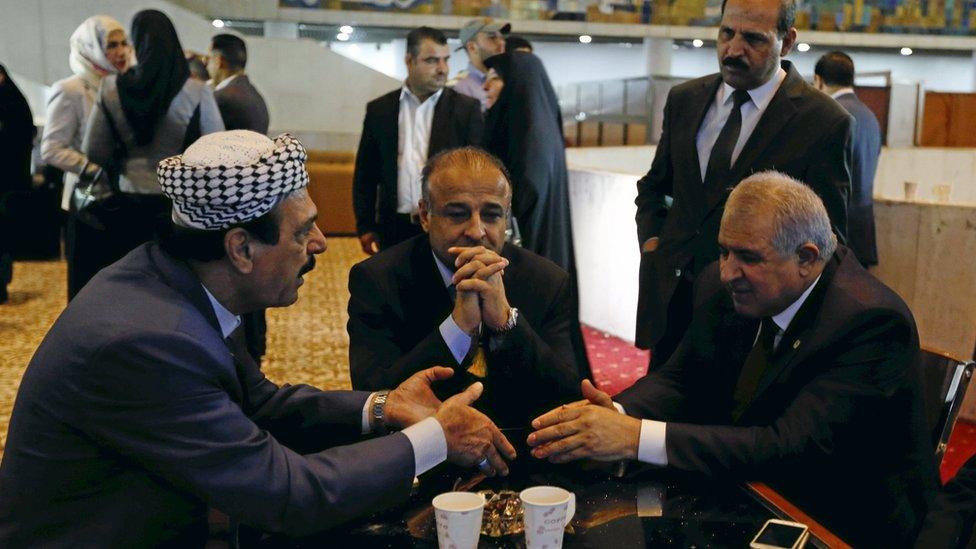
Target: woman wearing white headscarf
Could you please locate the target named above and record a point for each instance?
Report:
(99, 47)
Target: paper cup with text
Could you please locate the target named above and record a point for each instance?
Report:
(547, 511)
(458, 516)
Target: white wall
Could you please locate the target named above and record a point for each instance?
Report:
(309, 89)
(569, 62)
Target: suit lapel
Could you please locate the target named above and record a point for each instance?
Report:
(699, 104)
(427, 296)
(177, 275)
(391, 128)
(801, 332)
(777, 115)
(439, 124)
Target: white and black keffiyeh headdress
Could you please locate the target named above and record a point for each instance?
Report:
(231, 177)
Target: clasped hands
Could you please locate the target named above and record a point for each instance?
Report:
(471, 437)
(480, 289)
(589, 428)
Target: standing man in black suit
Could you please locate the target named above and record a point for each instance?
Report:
(242, 108)
(460, 296)
(241, 105)
(799, 369)
(756, 114)
(834, 75)
(402, 129)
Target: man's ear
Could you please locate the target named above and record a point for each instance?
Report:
(808, 255)
(789, 40)
(424, 208)
(239, 247)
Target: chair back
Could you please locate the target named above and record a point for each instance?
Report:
(944, 383)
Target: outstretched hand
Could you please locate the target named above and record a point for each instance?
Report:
(414, 399)
(471, 436)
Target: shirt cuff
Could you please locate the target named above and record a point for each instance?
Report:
(429, 444)
(651, 447)
(366, 414)
(456, 339)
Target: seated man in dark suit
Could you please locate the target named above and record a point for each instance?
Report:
(460, 296)
(799, 369)
(142, 407)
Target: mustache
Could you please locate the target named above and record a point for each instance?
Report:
(309, 265)
(735, 63)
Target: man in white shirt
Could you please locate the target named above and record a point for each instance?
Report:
(756, 114)
(799, 369)
(401, 130)
(142, 407)
(480, 38)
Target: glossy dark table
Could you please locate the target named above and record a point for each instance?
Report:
(646, 507)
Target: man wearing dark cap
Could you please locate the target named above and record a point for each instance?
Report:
(142, 407)
(834, 75)
(480, 38)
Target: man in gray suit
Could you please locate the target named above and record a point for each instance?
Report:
(241, 106)
(834, 75)
(141, 407)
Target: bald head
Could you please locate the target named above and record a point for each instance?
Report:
(458, 169)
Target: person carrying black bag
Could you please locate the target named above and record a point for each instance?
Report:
(151, 112)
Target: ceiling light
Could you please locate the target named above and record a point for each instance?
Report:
(697, 43)
(346, 29)
(218, 23)
(342, 37)
(906, 51)
(803, 47)
(585, 39)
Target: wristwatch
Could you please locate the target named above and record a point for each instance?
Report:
(378, 412)
(512, 320)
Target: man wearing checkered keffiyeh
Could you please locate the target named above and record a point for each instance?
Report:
(141, 407)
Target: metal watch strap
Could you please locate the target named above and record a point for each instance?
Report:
(378, 412)
(512, 321)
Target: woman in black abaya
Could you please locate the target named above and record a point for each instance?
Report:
(524, 129)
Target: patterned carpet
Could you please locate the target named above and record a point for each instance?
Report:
(307, 342)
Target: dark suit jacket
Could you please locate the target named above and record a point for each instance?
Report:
(802, 133)
(457, 123)
(398, 301)
(860, 210)
(837, 423)
(133, 417)
(241, 106)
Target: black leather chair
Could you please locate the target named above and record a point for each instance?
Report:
(944, 383)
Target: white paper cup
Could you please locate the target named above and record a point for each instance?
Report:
(458, 517)
(547, 511)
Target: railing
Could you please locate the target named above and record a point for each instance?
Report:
(939, 17)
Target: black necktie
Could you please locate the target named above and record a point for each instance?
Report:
(754, 367)
(720, 160)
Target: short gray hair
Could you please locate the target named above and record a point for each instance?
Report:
(798, 214)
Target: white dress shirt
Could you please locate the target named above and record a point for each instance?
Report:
(651, 447)
(226, 82)
(426, 436)
(413, 140)
(718, 114)
(840, 92)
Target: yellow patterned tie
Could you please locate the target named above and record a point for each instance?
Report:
(479, 365)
